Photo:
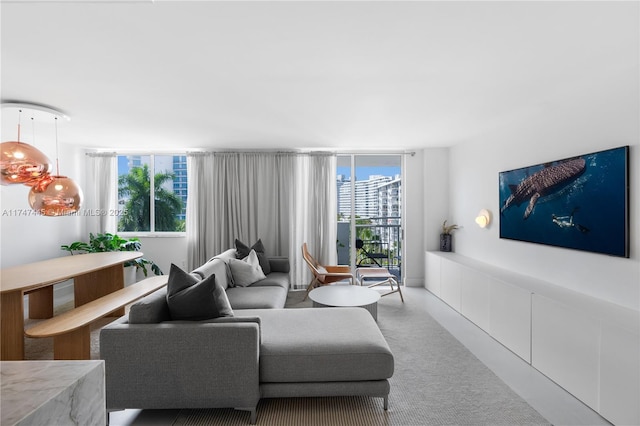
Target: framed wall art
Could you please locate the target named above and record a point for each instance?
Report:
(579, 203)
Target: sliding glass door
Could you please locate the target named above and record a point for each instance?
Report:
(369, 188)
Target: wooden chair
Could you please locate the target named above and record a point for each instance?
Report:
(324, 274)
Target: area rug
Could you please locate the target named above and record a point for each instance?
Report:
(437, 381)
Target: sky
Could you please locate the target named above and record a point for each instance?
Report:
(123, 167)
(363, 173)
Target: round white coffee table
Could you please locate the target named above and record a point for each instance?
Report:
(346, 296)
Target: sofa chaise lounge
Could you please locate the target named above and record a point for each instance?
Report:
(154, 362)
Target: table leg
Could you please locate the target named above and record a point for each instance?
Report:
(93, 285)
(41, 303)
(12, 326)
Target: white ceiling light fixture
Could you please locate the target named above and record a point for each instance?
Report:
(39, 112)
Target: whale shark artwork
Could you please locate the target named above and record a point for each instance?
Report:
(544, 182)
(580, 202)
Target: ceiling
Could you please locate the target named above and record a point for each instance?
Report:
(360, 75)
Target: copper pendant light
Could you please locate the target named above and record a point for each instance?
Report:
(22, 163)
(55, 195)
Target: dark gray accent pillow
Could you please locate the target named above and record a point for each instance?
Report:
(152, 309)
(193, 300)
(242, 251)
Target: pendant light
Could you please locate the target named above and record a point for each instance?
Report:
(55, 195)
(21, 162)
(33, 144)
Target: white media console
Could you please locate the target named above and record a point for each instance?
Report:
(588, 346)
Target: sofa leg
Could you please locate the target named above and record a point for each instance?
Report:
(252, 411)
(386, 403)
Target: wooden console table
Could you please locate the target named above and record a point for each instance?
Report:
(94, 275)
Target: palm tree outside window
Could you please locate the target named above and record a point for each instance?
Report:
(140, 211)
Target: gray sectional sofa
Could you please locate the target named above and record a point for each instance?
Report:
(262, 351)
(269, 293)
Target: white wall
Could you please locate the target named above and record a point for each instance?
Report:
(413, 220)
(581, 119)
(436, 195)
(165, 250)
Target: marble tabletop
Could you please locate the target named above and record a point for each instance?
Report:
(52, 392)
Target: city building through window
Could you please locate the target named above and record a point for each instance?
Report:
(369, 189)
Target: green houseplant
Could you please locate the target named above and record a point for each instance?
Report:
(113, 242)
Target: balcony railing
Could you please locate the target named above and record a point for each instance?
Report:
(378, 243)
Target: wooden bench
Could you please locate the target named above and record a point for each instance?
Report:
(71, 331)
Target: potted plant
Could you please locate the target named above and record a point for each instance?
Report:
(445, 236)
(113, 242)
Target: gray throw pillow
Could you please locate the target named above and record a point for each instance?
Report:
(242, 251)
(193, 300)
(246, 271)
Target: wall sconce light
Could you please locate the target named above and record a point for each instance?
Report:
(484, 218)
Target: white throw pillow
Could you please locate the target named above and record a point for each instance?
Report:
(246, 271)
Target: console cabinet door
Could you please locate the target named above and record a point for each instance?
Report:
(510, 317)
(432, 273)
(450, 273)
(475, 297)
(566, 347)
(620, 375)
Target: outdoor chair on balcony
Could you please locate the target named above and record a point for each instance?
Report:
(365, 254)
(324, 274)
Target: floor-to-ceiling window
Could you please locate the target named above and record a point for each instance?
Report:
(369, 188)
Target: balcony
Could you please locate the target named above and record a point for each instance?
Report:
(381, 243)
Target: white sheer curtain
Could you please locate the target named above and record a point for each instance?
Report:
(200, 234)
(315, 210)
(101, 193)
(284, 199)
